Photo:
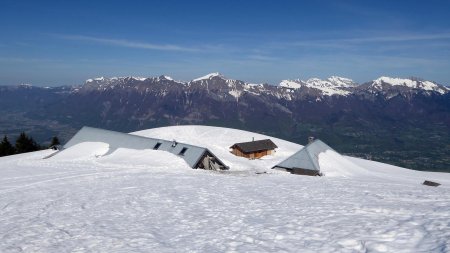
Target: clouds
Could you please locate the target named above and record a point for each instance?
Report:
(357, 38)
(264, 42)
(129, 44)
(288, 44)
(380, 40)
(361, 55)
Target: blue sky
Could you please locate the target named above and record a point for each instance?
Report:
(66, 42)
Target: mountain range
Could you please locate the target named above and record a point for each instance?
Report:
(404, 121)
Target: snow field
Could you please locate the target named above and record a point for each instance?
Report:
(150, 201)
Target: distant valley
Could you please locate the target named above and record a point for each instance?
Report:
(405, 122)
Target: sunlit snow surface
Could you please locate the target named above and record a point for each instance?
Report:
(151, 201)
(332, 86)
(425, 85)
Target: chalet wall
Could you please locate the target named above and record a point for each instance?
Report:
(255, 155)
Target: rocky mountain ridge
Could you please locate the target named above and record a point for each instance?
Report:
(287, 89)
(400, 121)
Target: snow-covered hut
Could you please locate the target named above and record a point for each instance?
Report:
(306, 160)
(254, 149)
(196, 157)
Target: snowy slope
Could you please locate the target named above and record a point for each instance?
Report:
(408, 83)
(150, 201)
(218, 140)
(332, 86)
(112, 79)
(209, 76)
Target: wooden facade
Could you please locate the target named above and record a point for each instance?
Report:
(254, 149)
(255, 155)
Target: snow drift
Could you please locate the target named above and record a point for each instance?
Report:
(145, 200)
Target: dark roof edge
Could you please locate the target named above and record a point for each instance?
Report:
(255, 141)
(253, 146)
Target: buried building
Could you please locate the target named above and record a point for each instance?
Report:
(254, 149)
(196, 157)
(306, 160)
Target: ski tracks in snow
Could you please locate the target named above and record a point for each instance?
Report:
(110, 205)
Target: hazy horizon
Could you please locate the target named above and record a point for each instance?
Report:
(226, 76)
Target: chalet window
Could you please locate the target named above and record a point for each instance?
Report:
(157, 146)
(183, 150)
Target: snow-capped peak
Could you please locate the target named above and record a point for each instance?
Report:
(342, 81)
(395, 81)
(332, 86)
(408, 82)
(167, 78)
(139, 78)
(209, 76)
(164, 77)
(291, 84)
(95, 79)
(106, 79)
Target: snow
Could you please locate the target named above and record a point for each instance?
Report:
(115, 78)
(416, 84)
(235, 93)
(253, 88)
(342, 81)
(332, 86)
(141, 158)
(224, 138)
(208, 76)
(290, 84)
(99, 78)
(332, 164)
(427, 85)
(150, 201)
(85, 150)
(327, 87)
(254, 85)
(139, 78)
(164, 77)
(396, 81)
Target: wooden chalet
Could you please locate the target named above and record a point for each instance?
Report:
(254, 149)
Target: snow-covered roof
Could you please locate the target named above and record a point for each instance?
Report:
(306, 158)
(131, 201)
(255, 146)
(190, 153)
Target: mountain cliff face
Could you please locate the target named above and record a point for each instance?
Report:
(287, 89)
(402, 121)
